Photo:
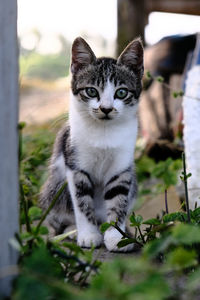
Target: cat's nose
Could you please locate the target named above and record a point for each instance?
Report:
(106, 111)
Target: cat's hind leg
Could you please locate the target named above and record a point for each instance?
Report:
(61, 215)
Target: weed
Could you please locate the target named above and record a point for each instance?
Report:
(167, 266)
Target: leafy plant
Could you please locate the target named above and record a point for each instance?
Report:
(163, 175)
(150, 77)
(167, 266)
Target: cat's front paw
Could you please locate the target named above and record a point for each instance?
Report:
(89, 239)
(112, 237)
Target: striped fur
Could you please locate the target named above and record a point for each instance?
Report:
(94, 152)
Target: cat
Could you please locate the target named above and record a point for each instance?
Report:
(94, 152)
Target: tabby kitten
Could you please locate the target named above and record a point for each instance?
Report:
(94, 152)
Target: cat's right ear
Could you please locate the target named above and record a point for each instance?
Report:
(82, 55)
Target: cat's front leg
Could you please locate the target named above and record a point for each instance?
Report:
(82, 192)
(119, 192)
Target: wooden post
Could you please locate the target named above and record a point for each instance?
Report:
(131, 21)
(8, 141)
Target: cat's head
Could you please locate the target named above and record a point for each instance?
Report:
(106, 88)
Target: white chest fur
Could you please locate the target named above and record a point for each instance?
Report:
(104, 148)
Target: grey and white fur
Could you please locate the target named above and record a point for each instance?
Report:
(94, 152)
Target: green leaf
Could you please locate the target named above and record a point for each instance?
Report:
(144, 168)
(187, 234)
(161, 167)
(21, 125)
(181, 258)
(14, 243)
(105, 226)
(175, 94)
(181, 93)
(152, 222)
(181, 234)
(151, 287)
(169, 178)
(160, 79)
(188, 175)
(60, 237)
(73, 247)
(113, 223)
(26, 189)
(139, 219)
(125, 242)
(195, 214)
(148, 74)
(34, 213)
(43, 230)
(38, 269)
(177, 165)
(153, 248)
(167, 171)
(135, 220)
(177, 216)
(26, 236)
(144, 192)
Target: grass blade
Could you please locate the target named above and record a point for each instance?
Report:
(51, 206)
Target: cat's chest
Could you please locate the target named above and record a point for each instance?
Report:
(103, 150)
(103, 162)
(96, 161)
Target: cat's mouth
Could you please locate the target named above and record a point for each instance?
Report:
(106, 118)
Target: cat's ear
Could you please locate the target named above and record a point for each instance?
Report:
(132, 57)
(82, 55)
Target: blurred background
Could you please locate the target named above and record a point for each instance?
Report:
(46, 30)
(169, 29)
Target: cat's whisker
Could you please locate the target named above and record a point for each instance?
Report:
(59, 120)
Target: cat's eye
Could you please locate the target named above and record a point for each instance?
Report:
(121, 93)
(91, 92)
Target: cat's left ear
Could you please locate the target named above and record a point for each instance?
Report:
(132, 57)
(82, 55)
